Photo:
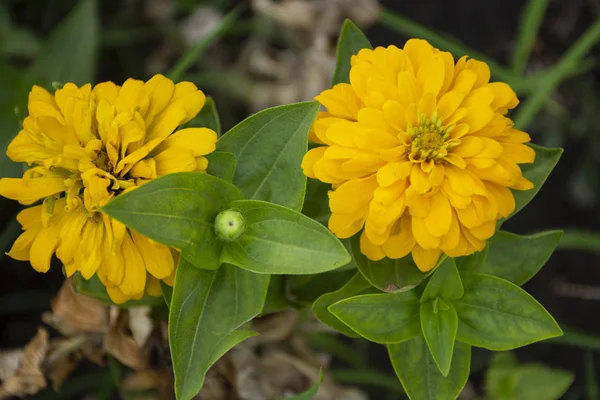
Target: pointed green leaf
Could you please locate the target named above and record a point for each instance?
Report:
(206, 308)
(505, 379)
(70, 53)
(94, 288)
(178, 210)
(388, 275)
(167, 293)
(419, 374)
(311, 392)
(305, 289)
(498, 315)
(444, 283)
(351, 40)
(208, 117)
(355, 286)
(221, 165)
(381, 318)
(545, 161)
(269, 147)
(518, 258)
(278, 240)
(472, 263)
(439, 323)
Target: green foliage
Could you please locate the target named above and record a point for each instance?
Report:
(355, 286)
(269, 147)
(278, 240)
(381, 318)
(208, 117)
(444, 283)
(545, 161)
(305, 289)
(498, 315)
(206, 309)
(221, 164)
(508, 380)
(311, 392)
(518, 258)
(351, 40)
(387, 274)
(419, 374)
(439, 323)
(178, 210)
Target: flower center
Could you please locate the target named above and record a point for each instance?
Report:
(429, 139)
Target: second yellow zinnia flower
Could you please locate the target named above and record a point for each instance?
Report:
(86, 145)
(419, 152)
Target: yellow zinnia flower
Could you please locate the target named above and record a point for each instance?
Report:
(419, 152)
(86, 145)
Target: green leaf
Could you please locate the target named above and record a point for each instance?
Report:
(472, 263)
(94, 288)
(419, 374)
(167, 293)
(518, 258)
(278, 240)
(276, 296)
(316, 202)
(388, 275)
(444, 283)
(355, 286)
(221, 165)
(205, 309)
(208, 117)
(269, 147)
(505, 379)
(350, 42)
(13, 95)
(381, 318)
(305, 289)
(498, 315)
(70, 53)
(178, 210)
(439, 323)
(545, 161)
(311, 392)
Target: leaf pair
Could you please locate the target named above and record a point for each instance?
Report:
(222, 284)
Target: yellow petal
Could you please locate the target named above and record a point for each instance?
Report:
(89, 256)
(116, 295)
(402, 242)
(153, 286)
(425, 259)
(449, 103)
(440, 216)
(28, 191)
(134, 280)
(372, 251)
(157, 257)
(159, 90)
(201, 141)
(310, 158)
(518, 153)
(70, 236)
(422, 235)
(431, 75)
(393, 172)
(419, 180)
(21, 248)
(394, 115)
(451, 239)
(341, 101)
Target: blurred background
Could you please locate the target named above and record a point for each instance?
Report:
(249, 55)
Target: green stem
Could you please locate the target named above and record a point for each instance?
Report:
(190, 57)
(580, 240)
(532, 19)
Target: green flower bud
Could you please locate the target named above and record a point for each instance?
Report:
(230, 224)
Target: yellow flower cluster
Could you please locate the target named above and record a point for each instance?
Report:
(86, 145)
(419, 152)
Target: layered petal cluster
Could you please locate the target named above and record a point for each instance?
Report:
(419, 153)
(86, 145)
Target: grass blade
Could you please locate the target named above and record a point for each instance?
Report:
(531, 20)
(190, 57)
(536, 101)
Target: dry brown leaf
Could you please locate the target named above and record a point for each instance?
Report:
(74, 313)
(28, 377)
(120, 344)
